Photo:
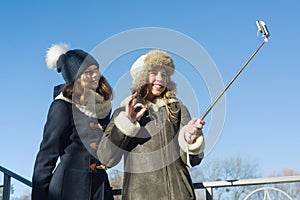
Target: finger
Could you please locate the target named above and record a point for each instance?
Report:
(134, 95)
(128, 109)
(201, 122)
(196, 132)
(141, 112)
(139, 105)
(190, 141)
(193, 139)
(191, 131)
(198, 126)
(131, 98)
(187, 137)
(193, 121)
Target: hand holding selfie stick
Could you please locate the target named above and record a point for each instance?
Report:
(265, 33)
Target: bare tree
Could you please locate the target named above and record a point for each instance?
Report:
(292, 189)
(116, 180)
(229, 169)
(12, 190)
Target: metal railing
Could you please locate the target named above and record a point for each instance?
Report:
(207, 186)
(7, 182)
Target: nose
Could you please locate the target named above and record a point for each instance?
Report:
(95, 75)
(159, 76)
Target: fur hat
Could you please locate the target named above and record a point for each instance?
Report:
(71, 63)
(140, 68)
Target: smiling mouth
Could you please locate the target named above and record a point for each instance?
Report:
(157, 86)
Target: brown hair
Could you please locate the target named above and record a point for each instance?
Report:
(77, 91)
(167, 94)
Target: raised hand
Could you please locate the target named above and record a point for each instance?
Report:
(131, 109)
(193, 130)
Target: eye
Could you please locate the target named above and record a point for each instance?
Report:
(153, 73)
(91, 72)
(163, 75)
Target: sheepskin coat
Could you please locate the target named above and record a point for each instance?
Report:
(70, 136)
(155, 164)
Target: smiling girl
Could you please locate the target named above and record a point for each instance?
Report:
(154, 132)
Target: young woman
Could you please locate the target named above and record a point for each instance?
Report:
(155, 133)
(75, 124)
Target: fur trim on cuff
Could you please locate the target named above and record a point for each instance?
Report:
(195, 148)
(126, 126)
(198, 146)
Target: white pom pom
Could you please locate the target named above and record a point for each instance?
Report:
(53, 54)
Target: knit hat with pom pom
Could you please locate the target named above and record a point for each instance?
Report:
(71, 63)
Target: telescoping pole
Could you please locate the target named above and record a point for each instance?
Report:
(265, 33)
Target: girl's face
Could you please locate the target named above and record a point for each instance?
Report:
(92, 76)
(157, 78)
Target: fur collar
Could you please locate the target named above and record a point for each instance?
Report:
(96, 106)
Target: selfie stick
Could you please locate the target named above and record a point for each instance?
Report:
(265, 33)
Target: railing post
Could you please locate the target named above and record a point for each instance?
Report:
(209, 193)
(6, 188)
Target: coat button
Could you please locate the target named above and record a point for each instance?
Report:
(95, 125)
(92, 124)
(93, 145)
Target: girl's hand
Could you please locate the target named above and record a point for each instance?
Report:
(193, 130)
(132, 115)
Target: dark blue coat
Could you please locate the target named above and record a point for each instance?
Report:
(70, 136)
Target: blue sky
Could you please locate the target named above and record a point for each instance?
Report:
(262, 106)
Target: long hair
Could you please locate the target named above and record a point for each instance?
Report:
(168, 93)
(77, 92)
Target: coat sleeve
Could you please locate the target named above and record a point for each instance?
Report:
(116, 139)
(55, 138)
(195, 151)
